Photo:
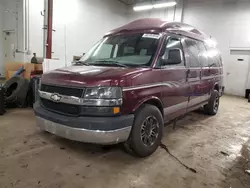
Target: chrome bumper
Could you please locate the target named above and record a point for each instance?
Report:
(84, 135)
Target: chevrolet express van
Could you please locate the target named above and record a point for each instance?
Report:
(130, 83)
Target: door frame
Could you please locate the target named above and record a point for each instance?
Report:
(178, 109)
(195, 99)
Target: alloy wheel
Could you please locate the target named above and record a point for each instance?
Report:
(216, 103)
(149, 131)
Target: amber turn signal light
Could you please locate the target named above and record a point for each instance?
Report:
(116, 110)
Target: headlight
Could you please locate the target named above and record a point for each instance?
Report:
(103, 96)
(103, 93)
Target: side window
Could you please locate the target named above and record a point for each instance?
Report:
(202, 54)
(193, 52)
(213, 56)
(174, 49)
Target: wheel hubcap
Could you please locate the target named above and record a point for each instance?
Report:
(149, 131)
(216, 103)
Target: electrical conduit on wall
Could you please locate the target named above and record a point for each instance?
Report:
(2, 72)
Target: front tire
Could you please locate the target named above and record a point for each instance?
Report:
(213, 104)
(146, 134)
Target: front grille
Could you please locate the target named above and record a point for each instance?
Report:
(62, 90)
(62, 108)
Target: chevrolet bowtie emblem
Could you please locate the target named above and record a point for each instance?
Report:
(56, 97)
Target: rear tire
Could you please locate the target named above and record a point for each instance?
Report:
(14, 87)
(16, 91)
(213, 104)
(146, 134)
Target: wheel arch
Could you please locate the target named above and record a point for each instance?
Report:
(216, 86)
(153, 101)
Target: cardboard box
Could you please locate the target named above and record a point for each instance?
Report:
(13, 67)
(38, 67)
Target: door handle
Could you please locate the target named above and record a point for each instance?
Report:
(200, 74)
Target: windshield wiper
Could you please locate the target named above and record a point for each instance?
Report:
(109, 62)
(80, 63)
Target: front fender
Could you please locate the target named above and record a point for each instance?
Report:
(149, 100)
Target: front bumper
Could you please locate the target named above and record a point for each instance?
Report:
(98, 130)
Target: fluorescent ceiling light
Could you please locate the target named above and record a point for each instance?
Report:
(143, 7)
(156, 5)
(162, 5)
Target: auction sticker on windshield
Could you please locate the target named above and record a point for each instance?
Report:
(152, 36)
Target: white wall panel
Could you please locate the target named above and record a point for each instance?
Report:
(93, 19)
(35, 27)
(11, 18)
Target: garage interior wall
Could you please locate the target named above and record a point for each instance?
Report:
(228, 21)
(36, 25)
(11, 19)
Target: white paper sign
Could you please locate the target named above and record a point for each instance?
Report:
(151, 35)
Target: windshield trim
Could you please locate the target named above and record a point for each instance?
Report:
(158, 51)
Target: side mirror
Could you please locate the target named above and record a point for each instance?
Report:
(74, 62)
(172, 57)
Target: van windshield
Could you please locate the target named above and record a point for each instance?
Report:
(123, 50)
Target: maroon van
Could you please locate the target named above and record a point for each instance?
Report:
(130, 83)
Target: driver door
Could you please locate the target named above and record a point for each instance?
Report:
(175, 87)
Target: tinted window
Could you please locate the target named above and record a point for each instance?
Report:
(193, 52)
(173, 43)
(202, 54)
(213, 56)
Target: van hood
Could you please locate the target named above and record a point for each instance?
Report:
(92, 76)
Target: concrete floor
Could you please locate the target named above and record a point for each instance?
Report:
(216, 147)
